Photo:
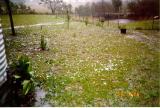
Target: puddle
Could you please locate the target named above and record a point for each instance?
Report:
(40, 98)
(123, 21)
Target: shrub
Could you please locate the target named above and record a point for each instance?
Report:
(43, 43)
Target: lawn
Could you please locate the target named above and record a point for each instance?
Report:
(90, 65)
(29, 19)
(144, 25)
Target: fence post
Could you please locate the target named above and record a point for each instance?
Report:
(3, 60)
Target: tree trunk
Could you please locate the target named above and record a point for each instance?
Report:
(10, 16)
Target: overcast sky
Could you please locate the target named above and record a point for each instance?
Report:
(34, 4)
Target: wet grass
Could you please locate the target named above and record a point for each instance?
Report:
(144, 25)
(90, 65)
(29, 19)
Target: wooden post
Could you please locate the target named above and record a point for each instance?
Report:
(152, 23)
(10, 16)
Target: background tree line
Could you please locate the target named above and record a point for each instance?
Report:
(131, 8)
(17, 8)
(144, 8)
(103, 8)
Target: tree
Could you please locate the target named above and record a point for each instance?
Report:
(144, 8)
(10, 16)
(52, 4)
(117, 5)
(2, 7)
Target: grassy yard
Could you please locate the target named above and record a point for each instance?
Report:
(144, 25)
(29, 19)
(90, 65)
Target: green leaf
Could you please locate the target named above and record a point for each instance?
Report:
(27, 85)
(17, 76)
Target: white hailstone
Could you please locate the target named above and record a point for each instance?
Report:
(104, 83)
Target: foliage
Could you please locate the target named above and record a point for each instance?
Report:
(27, 86)
(17, 8)
(117, 4)
(151, 7)
(95, 9)
(18, 89)
(22, 74)
(43, 43)
(56, 6)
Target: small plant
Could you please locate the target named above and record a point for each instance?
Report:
(100, 23)
(22, 79)
(43, 43)
(19, 86)
(86, 21)
(102, 20)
